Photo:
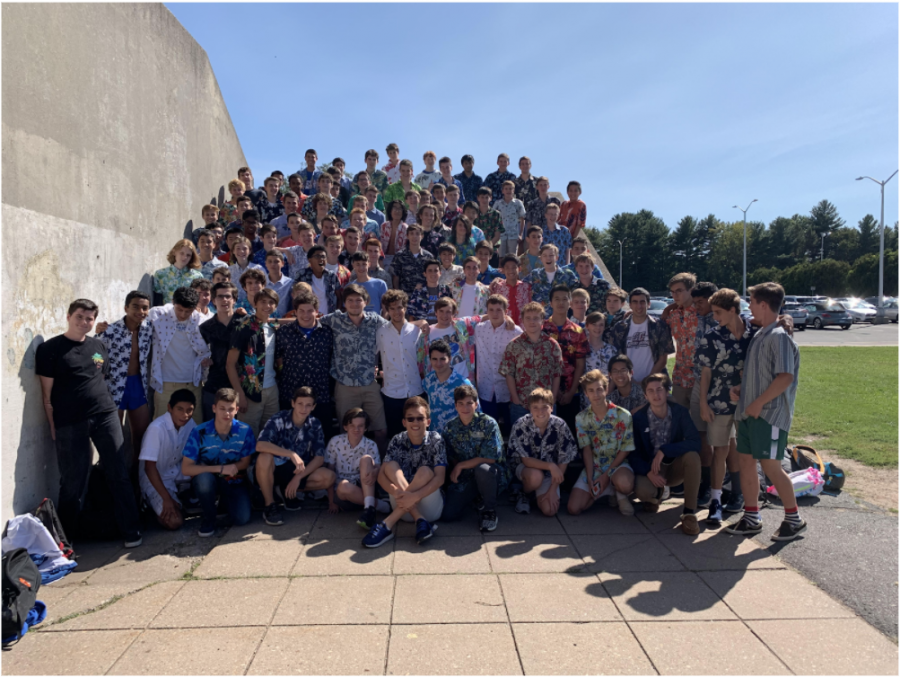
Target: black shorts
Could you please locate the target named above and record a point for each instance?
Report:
(284, 473)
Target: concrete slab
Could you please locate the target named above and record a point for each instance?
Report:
(511, 523)
(854, 647)
(533, 554)
(67, 653)
(342, 557)
(249, 558)
(727, 648)
(190, 651)
(92, 556)
(718, 551)
(600, 519)
(674, 595)
(448, 599)
(322, 650)
(580, 649)
(127, 570)
(620, 553)
(297, 525)
(667, 519)
(767, 595)
(132, 611)
(468, 526)
(576, 598)
(466, 649)
(442, 555)
(83, 598)
(342, 525)
(223, 603)
(337, 600)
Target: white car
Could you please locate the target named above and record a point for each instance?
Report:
(890, 307)
(859, 310)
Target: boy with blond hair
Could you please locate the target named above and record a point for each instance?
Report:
(428, 175)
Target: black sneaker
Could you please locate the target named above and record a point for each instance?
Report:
(367, 519)
(488, 520)
(714, 518)
(704, 497)
(788, 531)
(292, 504)
(677, 491)
(272, 515)
(744, 528)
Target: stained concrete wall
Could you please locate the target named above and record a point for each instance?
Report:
(114, 135)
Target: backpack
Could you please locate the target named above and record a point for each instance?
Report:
(46, 513)
(803, 457)
(834, 477)
(21, 582)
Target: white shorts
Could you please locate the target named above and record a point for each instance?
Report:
(582, 482)
(152, 496)
(545, 485)
(431, 507)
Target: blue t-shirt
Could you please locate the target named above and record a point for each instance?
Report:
(376, 288)
(307, 441)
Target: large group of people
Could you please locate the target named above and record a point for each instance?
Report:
(412, 348)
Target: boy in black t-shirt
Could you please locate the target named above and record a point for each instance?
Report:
(72, 368)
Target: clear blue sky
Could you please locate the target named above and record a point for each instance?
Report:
(679, 109)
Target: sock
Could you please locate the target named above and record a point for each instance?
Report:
(369, 502)
(736, 484)
(716, 494)
(688, 511)
(751, 514)
(792, 516)
(382, 506)
(620, 495)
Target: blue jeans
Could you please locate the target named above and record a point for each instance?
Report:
(516, 411)
(499, 411)
(235, 494)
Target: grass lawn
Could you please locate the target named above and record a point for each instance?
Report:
(847, 403)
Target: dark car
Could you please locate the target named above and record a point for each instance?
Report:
(798, 313)
(823, 314)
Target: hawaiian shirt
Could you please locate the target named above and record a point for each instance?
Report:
(396, 191)
(435, 237)
(634, 401)
(556, 444)
(387, 232)
(462, 346)
(510, 213)
(526, 189)
(534, 215)
(392, 171)
(165, 325)
(573, 215)
(425, 178)
(597, 290)
(597, 359)
(307, 441)
(491, 223)
(704, 324)
(332, 286)
(269, 211)
(683, 325)
(660, 428)
(343, 275)
(560, 237)
(205, 447)
(480, 439)
(429, 454)
(410, 269)
(606, 437)
(489, 275)
(495, 180)
(249, 338)
(354, 347)
(227, 213)
(451, 214)
(237, 271)
(345, 460)
(310, 180)
(464, 250)
(574, 345)
(596, 272)
(308, 212)
(421, 303)
(117, 339)
(456, 183)
(167, 280)
(481, 295)
(529, 263)
(532, 365)
(454, 272)
(611, 321)
(440, 398)
(517, 298)
(470, 185)
(541, 285)
(305, 359)
(658, 333)
(724, 355)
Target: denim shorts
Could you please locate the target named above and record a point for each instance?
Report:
(134, 396)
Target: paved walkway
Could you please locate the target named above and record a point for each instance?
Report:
(595, 594)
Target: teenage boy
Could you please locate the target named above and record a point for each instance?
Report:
(623, 390)
(447, 180)
(251, 362)
(532, 360)
(376, 288)
(491, 338)
(646, 340)
(579, 305)
(439, 384)
(512, 213)
(422, 300)
(765, 409)
(309, 208)
(310, 175)
(72, 368)
(339, 165)
(453, 210)
(210, 215)
(407, 266)
(486, 272)
(541, 446)
(270, 208)
(180, 355)
(470, 295)
(279, 283)
(392, 168)
(516, 292)
(297, 253)
(291, 202)
(596, 288)
(573, 212)
(216, 457)
(495, 180)
(575, 348)
(216, 331)
(526, 184)
(530, 260)
(553, 234)
(206, 250)
(488, 219)
(469, 181)
(474, 455)
(372, 248)
(615, 310)
(351, 245)
(246, 177)
(355, 460)
(372, 210)
(269, 236)
(358, 219)
(579, 247)
(449, 270)
(666, 452)
(403, 185)
(376, 177)
(361, 187)
(429, 175)
(203, 287)
(333, 245)
(296, 436)
(250, 229)
(548, 276)
(159, 473)
(412, 473)
(401, 346)
(324, 283)
(537, 208)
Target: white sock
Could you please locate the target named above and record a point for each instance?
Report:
(716, 494)
(369, 502)
(383, 506)
(620, 495)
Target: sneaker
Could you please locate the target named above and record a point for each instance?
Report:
(206, 530)
(714, 518)
(523, 505)
(666, 492)
(788, 531)
(689, 524)
(677, 491)
(735, 504)
(488, 520)
(135, 542)
(744, 528)
(625, 506)
(367, 518)
(378, 535)
(704, 498)
(192, 507)
(292, 504)
(424, 531)
(650, 506)
(272, 515)
(479, 505)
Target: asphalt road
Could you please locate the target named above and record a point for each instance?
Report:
(862, 334)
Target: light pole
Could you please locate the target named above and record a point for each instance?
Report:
(822, 251)
(879, 316)
(621, 242)
(745, 241)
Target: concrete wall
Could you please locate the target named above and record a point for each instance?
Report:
(114, 135)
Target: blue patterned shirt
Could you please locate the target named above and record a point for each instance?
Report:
(421, 303)
(724, 355)
(480, 439)
(354, 347)
(440, 398)
(541, 285)
(556, 445)
(495, 180)
(429, 454)
(456, 183)
(470, 185)
(307, 441)
(561, 237)
(205, 447)
(306, 360)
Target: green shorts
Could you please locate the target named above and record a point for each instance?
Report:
(761, 440)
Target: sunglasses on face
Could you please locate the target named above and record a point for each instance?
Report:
(415, 419)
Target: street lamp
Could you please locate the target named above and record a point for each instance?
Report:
(621, 242)
(822, 251)
(745, 241)
(879, 316)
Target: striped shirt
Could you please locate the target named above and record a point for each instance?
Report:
(772, 351)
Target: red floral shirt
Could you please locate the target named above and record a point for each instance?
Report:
(532, 365)
(683, 324)
(573, 215)
(574, 344)
(517, 298)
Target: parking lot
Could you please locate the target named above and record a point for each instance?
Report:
(862, 334)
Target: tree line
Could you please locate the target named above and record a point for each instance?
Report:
(787, 251)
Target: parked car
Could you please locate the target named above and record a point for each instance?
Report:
(798, 313)
(890, 306)
(656, 307)
(826, 313)
(859, 310)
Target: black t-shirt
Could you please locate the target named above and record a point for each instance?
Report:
(78, 370)
(218, 336)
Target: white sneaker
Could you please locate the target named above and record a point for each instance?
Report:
(624, 504)
(665, 494)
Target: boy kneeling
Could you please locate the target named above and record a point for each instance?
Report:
(291, 435)
(412, 473)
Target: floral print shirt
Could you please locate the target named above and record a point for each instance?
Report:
(633, 401)
(305, 358)
(440, 398)
(249, 338)
(470, 185)
(704, 324)
(454, 272)
(386, 232)
(464, 250)
(597, 359)
(425, 178)
(510, 213)
(450, 216)
(724, 355)
(435, 237)
(573, 215)
(541, 284)
(597, 290)
(532, 365)
(526, 189)
(562, 238)
(683, 325)
(307, 440)
(431, 453)
(518, 298)
(658, 333)
(574, 345)
(269, 211)
(167, 280)
(354, 347)
(310, 180)
(495, 180)
(421, 302)
(456, 183)
(556, 444)
(345, 460)
(392, 171)
(165, 325)
(605, 436)
(308, 212)
(462, 346)
(480, 439)
(481, 295)
(491, 223)
(396, 191)
(534, 214)
(410, 269)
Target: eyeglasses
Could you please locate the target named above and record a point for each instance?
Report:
(415, 419)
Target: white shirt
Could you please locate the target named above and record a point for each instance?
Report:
(398, 359)
(333, 267)
(207, 315)
(467, 300)
(164, 445)
(489, 346)
(637, 347)
(269, 376)
(318, 287)
(550, 276)
(178, 362)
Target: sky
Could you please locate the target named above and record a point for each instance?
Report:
(681, 109)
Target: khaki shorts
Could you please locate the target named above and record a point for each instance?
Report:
(545, 485)
(721, 430)
(682, 396)
(699, 423)
(259, 413)
(368, 398)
